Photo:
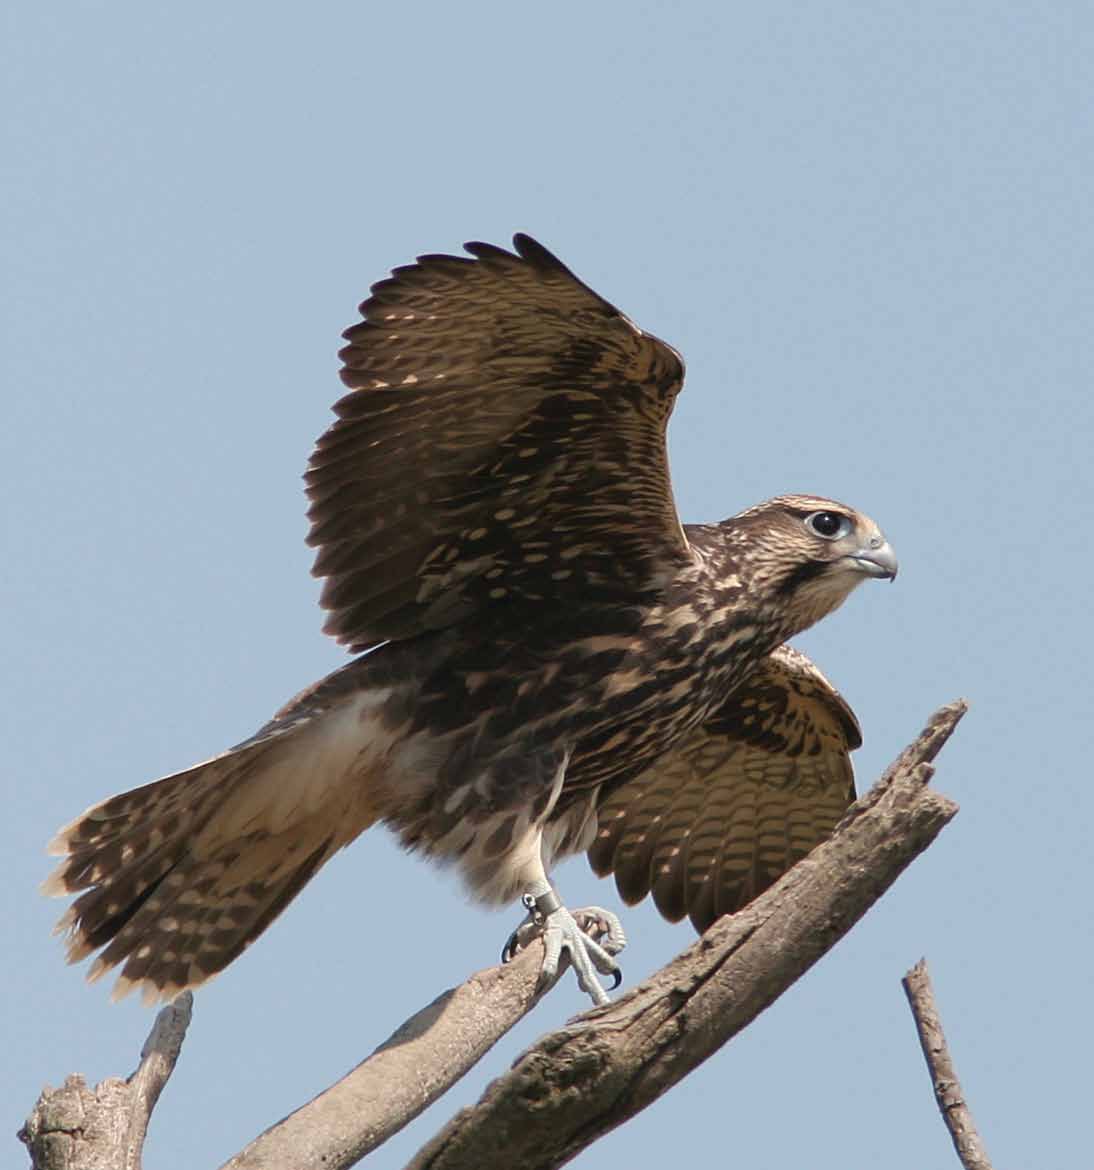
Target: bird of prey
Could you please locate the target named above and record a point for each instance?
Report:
(548, 661)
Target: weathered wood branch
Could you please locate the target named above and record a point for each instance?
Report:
(947, 1088)
(409, 1071)
(576, 1084)
(79, 1128)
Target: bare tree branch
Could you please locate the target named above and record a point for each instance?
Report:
(159, 1056)
(947, 1088)
(79, 1128)
(576, 1084)
(408, 1072)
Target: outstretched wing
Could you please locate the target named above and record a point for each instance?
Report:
(746, 796)
(504, 440)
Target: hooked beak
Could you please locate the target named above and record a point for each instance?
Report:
(876, 560)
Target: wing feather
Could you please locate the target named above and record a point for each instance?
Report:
(503, 438)
(741, 800)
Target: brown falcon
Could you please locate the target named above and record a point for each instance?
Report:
(548, 661)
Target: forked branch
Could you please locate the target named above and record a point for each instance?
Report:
(79, 1128)
(577, 1083)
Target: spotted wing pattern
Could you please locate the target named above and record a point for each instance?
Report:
(504, 439)
(742, 799)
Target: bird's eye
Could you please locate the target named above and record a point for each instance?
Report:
(830, 525)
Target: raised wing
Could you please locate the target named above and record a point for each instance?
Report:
(504, 440)
(746, 796)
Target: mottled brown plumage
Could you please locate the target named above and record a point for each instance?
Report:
(554, 664)
(739, 800)
(519, 459)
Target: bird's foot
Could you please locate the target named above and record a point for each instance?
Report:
(590, 938)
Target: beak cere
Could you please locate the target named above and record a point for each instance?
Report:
(877, 559)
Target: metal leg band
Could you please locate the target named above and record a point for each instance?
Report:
(548, 903)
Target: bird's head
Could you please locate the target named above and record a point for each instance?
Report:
(806, 554)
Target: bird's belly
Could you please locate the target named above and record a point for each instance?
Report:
(504, 736)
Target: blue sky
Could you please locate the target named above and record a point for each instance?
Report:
(868, 229)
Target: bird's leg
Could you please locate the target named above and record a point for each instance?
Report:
(562, 931)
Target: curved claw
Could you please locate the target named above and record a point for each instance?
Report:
(563, 935)
(589, 940)
(603, 925)
(514, 942)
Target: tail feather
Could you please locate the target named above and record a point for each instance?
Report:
(172, 891)
(199, 918)
(106, 907)
(107, 837)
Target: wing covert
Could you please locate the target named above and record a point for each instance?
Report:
(744, 798)
(504, 439)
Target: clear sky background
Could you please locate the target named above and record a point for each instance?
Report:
(866, 225)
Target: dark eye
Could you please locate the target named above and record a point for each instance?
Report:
(830, 525)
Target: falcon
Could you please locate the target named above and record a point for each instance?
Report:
(548, 662)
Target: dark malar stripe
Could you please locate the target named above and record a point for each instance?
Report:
(802, 575)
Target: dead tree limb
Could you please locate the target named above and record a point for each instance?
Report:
(79, 1128)
(576, 1084)
(947, 1088)
(408, 1072)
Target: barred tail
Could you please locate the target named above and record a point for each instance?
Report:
(179, 876)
